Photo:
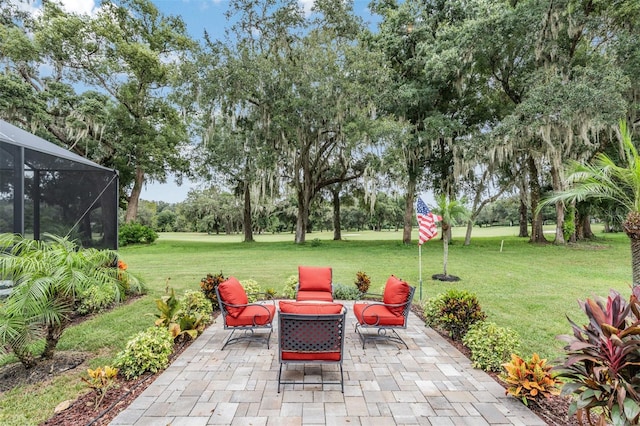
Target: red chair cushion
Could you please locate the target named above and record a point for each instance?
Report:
(396, 292)
(310, 308)
(231, 291)
(314, 356)
(253, 315)
(376, 314)
(313, 278)
(322, 296)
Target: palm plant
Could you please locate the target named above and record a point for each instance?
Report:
(606, 180)
(47, 277)
(451, 211)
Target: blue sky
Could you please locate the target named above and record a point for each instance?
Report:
(198, 15)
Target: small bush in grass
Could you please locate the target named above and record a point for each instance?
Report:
(454, 312)
(209, 284)
(290, 287)
(252, 288)
(530, 380)
(345, 292)
(135, 233)
(490, 345)
(149, 351)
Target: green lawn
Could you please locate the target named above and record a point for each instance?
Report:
(530, 288)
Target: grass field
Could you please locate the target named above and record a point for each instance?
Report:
(530, 288)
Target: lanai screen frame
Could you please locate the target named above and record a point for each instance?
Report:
(80, 197)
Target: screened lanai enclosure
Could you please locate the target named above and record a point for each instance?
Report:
(46, 189)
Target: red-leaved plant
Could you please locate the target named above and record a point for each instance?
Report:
(603, 361)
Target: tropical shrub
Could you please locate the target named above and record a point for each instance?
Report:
(194, 302)
(95, 298)
(362, 282)
(252, 288)
(100, 381)
(208, 286)
(148, 351)
(48, 275)
(345, 292)
(490, 345)
(454, 312)
(184, 318)
(290, 286)
(602, 367)
(135, 233)
(530, 380)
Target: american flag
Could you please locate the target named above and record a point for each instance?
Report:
(426, 222)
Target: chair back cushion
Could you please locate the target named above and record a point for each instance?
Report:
(396, 292)
(310, 308)
(311, 278)
(232, 292)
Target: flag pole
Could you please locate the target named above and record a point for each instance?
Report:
(420, 268)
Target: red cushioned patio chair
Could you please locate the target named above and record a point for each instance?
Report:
(314, 283)
(254, 321)
(311, 333)
(386, 316)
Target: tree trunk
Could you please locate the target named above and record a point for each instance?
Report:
(635, 260)
(54, 332)
(467, 236)
(445, 248)
(246, 214)
(134, 198)
(523, 219)
(337, 234)
(557, 186)
(408, 209)
(302, 220)
(537, 232)
(583, 226)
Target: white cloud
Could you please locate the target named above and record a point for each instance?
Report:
(82, 7)
(306, 6)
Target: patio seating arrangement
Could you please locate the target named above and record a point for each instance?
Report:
(311, 333)
(241, 316)
(387, 315)
(314, 283)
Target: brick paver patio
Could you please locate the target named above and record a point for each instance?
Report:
(429, 384)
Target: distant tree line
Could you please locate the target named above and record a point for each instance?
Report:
(307, 118)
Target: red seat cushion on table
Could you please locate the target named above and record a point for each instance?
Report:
(322, 296)
(310, 308)
(396, 292)
(378, 315)
(253, 315)
(231, 291)
(312, 278)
